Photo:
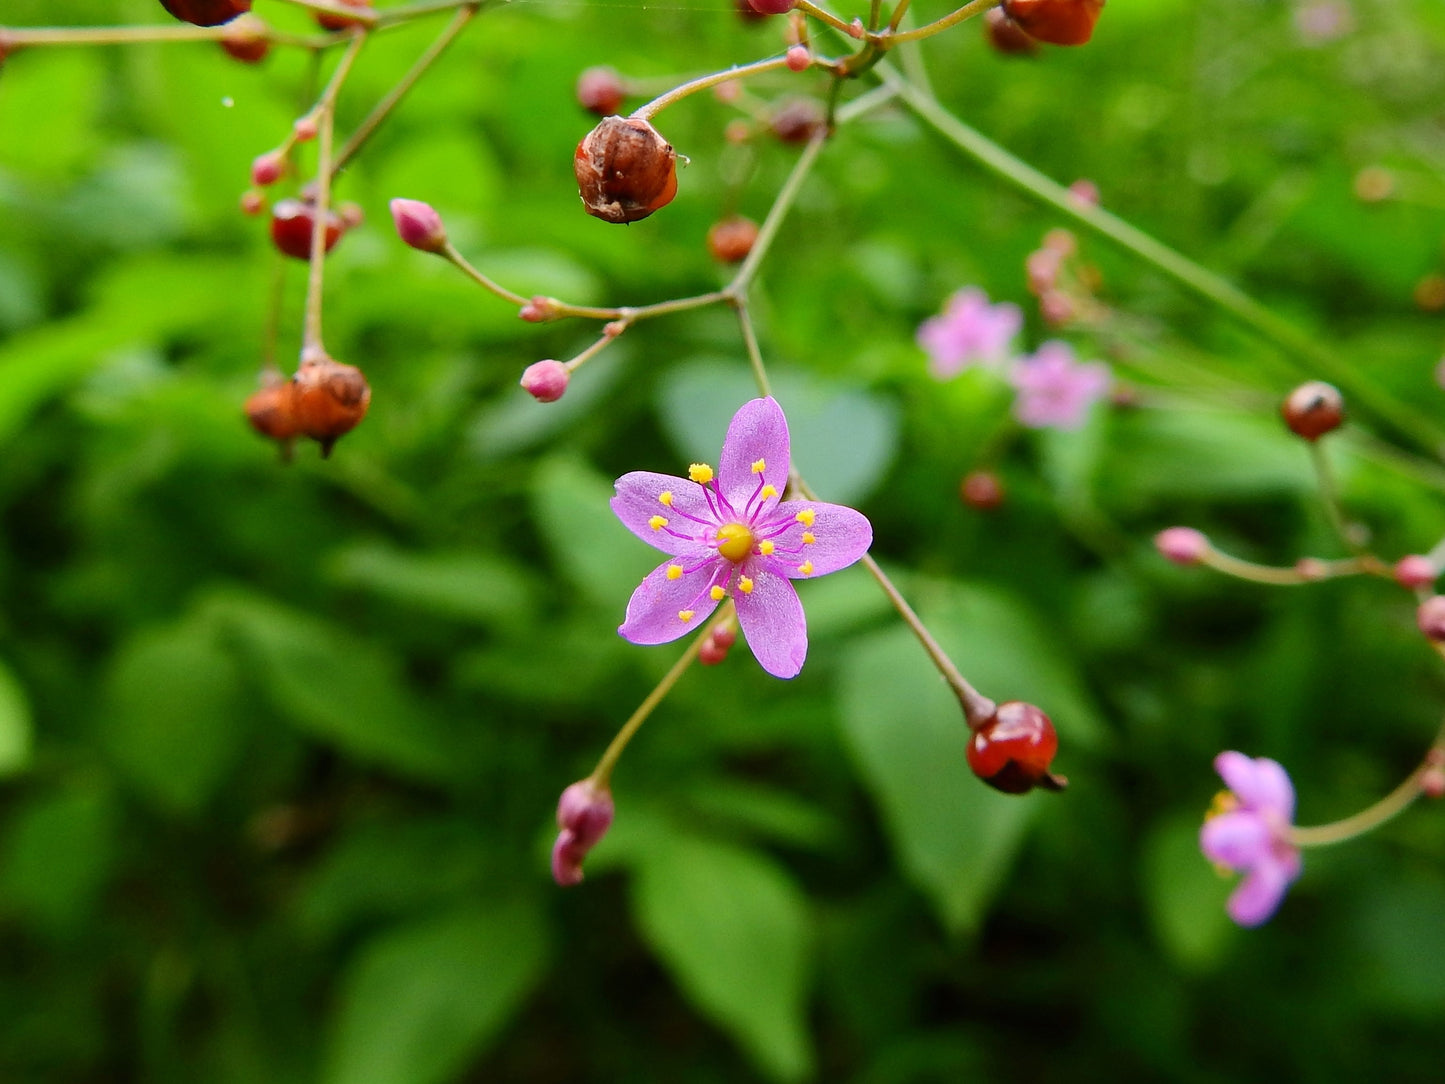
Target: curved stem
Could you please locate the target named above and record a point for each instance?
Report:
(648, 111)
(1366, 820)
(824, 16)
(1308, 570)
(460, 262)
(968, 11)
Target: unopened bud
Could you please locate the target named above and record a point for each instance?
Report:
(1432, 782)
(267, 168)
(539, 310)
(545, 381)
(305, 129)
(1182, 545)
(584, 813)
(1430, 617)
(798, 58)
(419, 225)
(1415, 571)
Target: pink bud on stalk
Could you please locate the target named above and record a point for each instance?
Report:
(545, 380)
(1182, 545)
(1415, 571)
(267, 168)
(419, 225)
(1430, 617)
(584, 813)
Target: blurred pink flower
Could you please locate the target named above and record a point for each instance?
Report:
(1320, 21)
(1251, 835)
(1054, 390)
(969, 330)
(733, 534)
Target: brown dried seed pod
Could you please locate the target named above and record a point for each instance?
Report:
(798, 120)
(330, 400)
(731, 239)
(206, 12)
(272, 410)
(625, 170)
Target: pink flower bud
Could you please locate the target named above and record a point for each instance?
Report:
(305, 129)
(253, 202)
(1056, 308)
(1182, 545)
(724, 635)
(1042, 268)
(586, 811)
(539, 310)
(419, 225)
(567, 860)
(1431, 617)
(545, 381)
(267, 168)
(1415, 571)
(799, 58)
(1085, 191)
(711, 653)
(1432, 782)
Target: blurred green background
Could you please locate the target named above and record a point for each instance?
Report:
(282, 744)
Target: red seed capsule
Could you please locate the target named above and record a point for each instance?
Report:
(272, 410)
(206, 12)
(330, 399)
(981, 489)
(798, 120)
(340, 22)
(625, 170)
(600, 91)
(1313, 409)
(1058, 22)
(246, 40)
(1006, 36)
(292, 224)
(1011, 751)
(731, 239)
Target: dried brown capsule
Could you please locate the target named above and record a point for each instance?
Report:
(206, 12)
(1006, 36)
(1313, 409)
(798, 120)
(272, 410)
(330, 399)
(625, 170)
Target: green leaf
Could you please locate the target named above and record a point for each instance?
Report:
(175, 718)
(422, 1000)
(465, 586)
(843, 440)
(953, 835)
(595, 551)
(733, 929)
(57, 857)
(336, 687)
(1184, 895)
(16, 727)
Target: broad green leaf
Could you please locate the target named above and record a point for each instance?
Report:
(1184, 895)
(16, 726)
(174, 716)
(464, 586)
(1403, 943)
(733, 929)
(589, 543)
(954, 836)
(57, 856)
(334, 686)
(843, 440)
(422, 1000)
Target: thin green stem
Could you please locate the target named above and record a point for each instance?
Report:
(1309, 357)
(373, 120)
(898, 13)
(364, 17)
(750, 344)
(312, 345)
(1309, 570)
(592, 351)
(824, 16)
(106, 35)
(601, 776)
(1330, 495)
(779, 210)
(968, 11)
(460, 262)
(407, 12)
(652, 108)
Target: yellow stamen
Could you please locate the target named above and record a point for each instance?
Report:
(767, 491)
(745, 585)
(686, 615)
(674, 572)
(765, 548)
(717, 593)
(806, 517)
(700, 473)
(808, 538)
(806, 568)
(657, 523)
(734, 541)
(759, 466)
(665, 497)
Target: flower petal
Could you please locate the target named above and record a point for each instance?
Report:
(772, 621)
(652, 611)
(637, 503)
(1259, 783)
(840, 535)
(758, 431)
(1239, 840)
(1258, 895)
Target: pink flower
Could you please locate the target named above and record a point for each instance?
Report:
(1322, 21)
(1055, 390)
(1251, 835)
(970, 330)
(732, 534)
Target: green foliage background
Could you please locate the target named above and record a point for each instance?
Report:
(282, 743)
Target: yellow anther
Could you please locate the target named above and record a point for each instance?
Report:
(717, 593)
(806, 517)
(686, 615)
(806, 568)
(657, 523)
(700, 473)
(745, 585)
(759, 466)
(809, 538)
(767, 491)
(765, 548)
(674, 572)
(1224, 802)
(734, 541)
(665, 497)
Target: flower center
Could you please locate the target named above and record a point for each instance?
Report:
(734, 541)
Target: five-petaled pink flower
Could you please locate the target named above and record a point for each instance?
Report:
(1055, 390)
(969, 330)
(731, 533)
(1251, 834)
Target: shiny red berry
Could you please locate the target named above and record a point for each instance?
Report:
(1006, 36)
(292, 224)
(1058, 22)
(247, 40)
(600, 91)
(1314, 409)
(206, 12)
(981, 489)
(1012, 749)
